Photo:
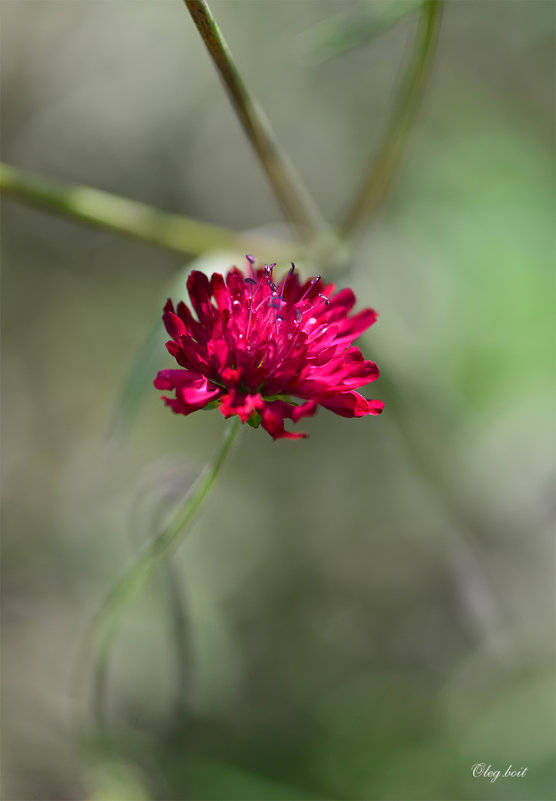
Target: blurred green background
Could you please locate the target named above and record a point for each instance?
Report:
(368, 613)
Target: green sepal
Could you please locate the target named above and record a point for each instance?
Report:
(277, 397)
(254, 420)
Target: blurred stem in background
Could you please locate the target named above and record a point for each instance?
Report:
(184, 235)
(127, 217)
(166, 486)
(99, 640)
(425, 440)
(295, 200)
(385, 166)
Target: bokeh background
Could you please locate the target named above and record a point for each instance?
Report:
(365, 614)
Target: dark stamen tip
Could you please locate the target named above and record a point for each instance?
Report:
(250, 259)
(315, 280)
(250, 281)
(292, 268)
(326, 300)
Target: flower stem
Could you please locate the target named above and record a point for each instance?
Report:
(100, 637)
(385, 166)
(128, 217)
(294, 199)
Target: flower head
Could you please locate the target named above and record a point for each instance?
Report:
(255, 344)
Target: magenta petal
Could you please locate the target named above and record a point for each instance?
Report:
(236, 285)
(376, 407)
(174, 350)
(339, 305)
(304, 410)
(198, 286)
(272, 420)
(193, 354)
(175, 405)
(351, 404)
(202, 393)
(218, 351)
(293, 412)
(193, 391)
(241, 404)
(364, 374)
(171, 379)
(174, 325)
(352, 327)
(192, 326)
(218, 289)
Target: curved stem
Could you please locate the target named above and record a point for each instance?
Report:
(128, 217)
(385, 166)
(99, 639)
(294, 199)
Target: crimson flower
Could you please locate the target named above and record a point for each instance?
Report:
(260, 344)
